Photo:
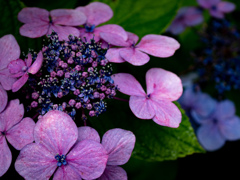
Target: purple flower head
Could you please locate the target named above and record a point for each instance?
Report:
(217, 120)
(39, 22)
(136, 54)
(56, 149)
(162, 88)
(119, 145)
(9, 50)
(3, 98)
(186, 16)
(217, 8)
(98, 13)
(16, 129)
(20, 68)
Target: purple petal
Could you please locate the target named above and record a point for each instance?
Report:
(21, 134)
(64, 31)
(89, 158)
(9, 50)
(11, 115)
(89, 35)
(29, 60)
(34, 68)
(5, 156)
(56, 131)
(20, 83)
(224, 110)
(134, 56)
(68, 17)
(193, 16)
(67, 172)
(16, 66)
(33, 15)
(127, 84)
(97, 13)
(210, 137)
(188, 98)
(35, 161)
(119, 145)
(208, 3)
(226, 7)
(86, 132)
(141, 107)
(230, 128)
(3, 98)
(132, 38)
(217, 14)
(113, 173)
(114, 56)
(177, 27)
(163, 85)
(167, 114)
(157, 45)
(34, 30)
(6, 79)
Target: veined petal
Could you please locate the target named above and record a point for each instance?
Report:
(226, 7)
(67, 172)
(113, 55)
(132, 38)
(6, 79)
(34, 68)
(20, 83)
(68, 17)
(3, 98)
(5, 156)
(64, 31)
(34, 29)
(127, 84)
(163, 85)
(34, 161)
(113, 173)
(89, 159)
(141, 107)
(9, 50)
(157, 45)
(33, 15)
(119, 144)
(16, 66)
(56, 131)
(86, 132)
(21, 134)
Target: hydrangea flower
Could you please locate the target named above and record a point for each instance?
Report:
(136, 54)
(56, 149)
(18, 132)
(98, 13)
(217, 8)
(162, 88)
(118, 143)
(3, 98)
(19, 68)
(218, 123)
(39, 22)
(186, 16)
(9, 50)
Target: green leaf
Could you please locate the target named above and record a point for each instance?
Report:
(153, 142)
(143, 17)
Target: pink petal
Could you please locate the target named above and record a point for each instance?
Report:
(34, 68)
(67, 172)
(208, 3)
(167, 114)
(86, 132)
(68, 17)
(177, 27)
(29, 60)
(114, 56)
(89, 158)
(35, 161)
(210, 137)
(226, 7)
(20, 83)
(225, 110)
(5, 156)
(3, 98)
(132, 38)
(119, 145)
(16, 66)
(217, 14)
(157, 45)
(11, 115)
(34, 29)
(163, 85)
(113, 34)
(134, 56)
(56, 131)
(64, 31)
(97, 13)
(127, 84)
(21, 134)
(9, 50)
(230, 128)
(141, 107)
(6, 79)
(113, 173)
(33, 15)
